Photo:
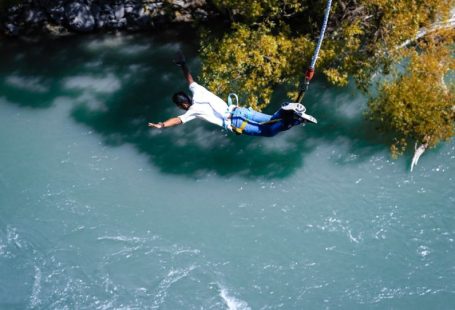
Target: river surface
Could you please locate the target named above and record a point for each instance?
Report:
(99, 212)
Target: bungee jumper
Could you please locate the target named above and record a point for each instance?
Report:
(211, 108)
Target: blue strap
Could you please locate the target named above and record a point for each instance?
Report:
(229, 103)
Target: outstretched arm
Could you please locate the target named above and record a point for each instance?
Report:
(181, 62)
(186, 73)
(169, 123)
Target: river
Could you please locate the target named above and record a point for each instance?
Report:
(99, 212)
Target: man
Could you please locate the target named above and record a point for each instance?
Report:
(209, 107)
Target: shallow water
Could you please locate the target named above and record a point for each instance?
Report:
(99, 212)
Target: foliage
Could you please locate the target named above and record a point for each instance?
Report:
(365, 35)
(270, 43)
(417, 104)
(256, 9)
(253, 62)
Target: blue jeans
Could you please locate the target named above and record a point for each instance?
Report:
(260, 124)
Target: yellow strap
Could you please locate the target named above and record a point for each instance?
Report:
(239, 130)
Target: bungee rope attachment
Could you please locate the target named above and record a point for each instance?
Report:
(231, 98)
(310, 71)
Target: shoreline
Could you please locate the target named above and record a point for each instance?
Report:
(66, 17)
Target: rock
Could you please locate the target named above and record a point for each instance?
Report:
(79, 17)
(129, 8)
(57, 14)
(11, 29)
(57, 30)
(34, 17)
(200, 14)
(119, 11)
(50, 16)
(137, 16)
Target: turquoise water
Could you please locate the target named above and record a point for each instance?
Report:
(99, 212)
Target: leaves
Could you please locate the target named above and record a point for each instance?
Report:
(254, 10)
(252, 63)
(417, 104)
(272, 43)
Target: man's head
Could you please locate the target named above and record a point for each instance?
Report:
(182, 100)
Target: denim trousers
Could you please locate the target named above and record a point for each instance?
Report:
(260, 124)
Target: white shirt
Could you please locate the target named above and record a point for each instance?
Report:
(206, 105)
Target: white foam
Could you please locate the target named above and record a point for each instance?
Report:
(134, 49)
(172, 277)
(36, 290)
(13, 237)
(32, 84)
(283, 143)
(423, 251)
(106, 43)
(107, 84)
(232, 302)
(125, 239)
(205, 139)
(352, 238)
(90, 101)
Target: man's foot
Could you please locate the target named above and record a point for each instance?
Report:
(293, 106)
(299, 111)
(306, 118)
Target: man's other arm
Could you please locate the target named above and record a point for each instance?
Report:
(169, 123)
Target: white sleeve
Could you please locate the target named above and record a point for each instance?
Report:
(195, 88)
(188, 116)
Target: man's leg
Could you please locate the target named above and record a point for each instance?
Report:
(284, 119)
(280, 121)
(249, 122)
(253, 123)
(257, 117)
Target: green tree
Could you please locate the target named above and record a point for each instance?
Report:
(252, 63)
(270, 43)
(417, 104)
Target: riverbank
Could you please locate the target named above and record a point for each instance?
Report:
(62, 17)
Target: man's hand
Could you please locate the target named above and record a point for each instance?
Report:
(181, 62)
(156, 125)
(180, 59)
(169, 123)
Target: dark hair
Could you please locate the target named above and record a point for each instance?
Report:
(180, 97)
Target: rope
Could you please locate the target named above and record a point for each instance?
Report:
(310, 72)
(321, 38)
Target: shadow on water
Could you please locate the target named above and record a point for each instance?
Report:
(117, 83)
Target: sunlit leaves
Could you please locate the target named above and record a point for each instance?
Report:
(272, 41)
(252, 63)
(418, 104)
(253, 10)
